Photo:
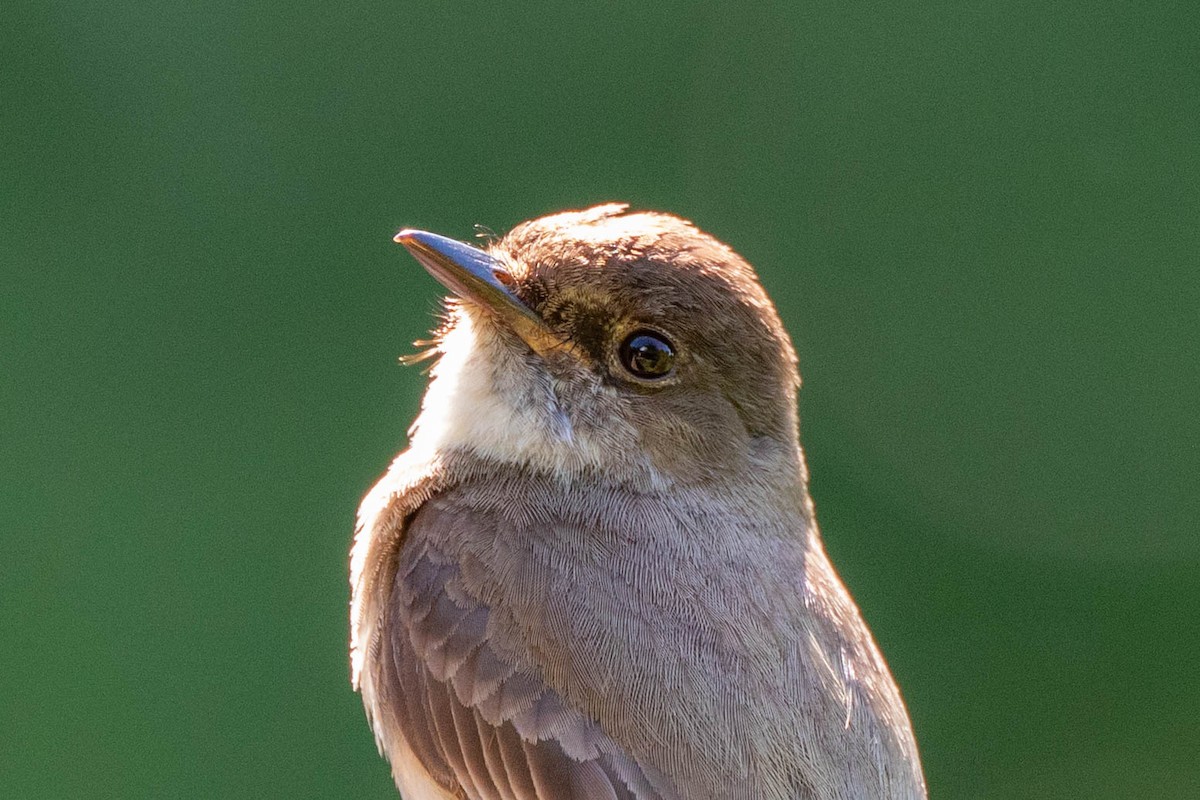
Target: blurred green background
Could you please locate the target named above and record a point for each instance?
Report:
(981, 222)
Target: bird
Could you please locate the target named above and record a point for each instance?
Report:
(596, 571)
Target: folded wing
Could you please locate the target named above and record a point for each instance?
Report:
(480, 726)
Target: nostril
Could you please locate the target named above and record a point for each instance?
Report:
(504, 278)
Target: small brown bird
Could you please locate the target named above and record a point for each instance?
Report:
(595, 573)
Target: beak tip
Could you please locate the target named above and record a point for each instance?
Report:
(405, 236)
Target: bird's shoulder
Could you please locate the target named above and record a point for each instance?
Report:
(458, 709)
(612, 615)
(474, 711)
(589, 622)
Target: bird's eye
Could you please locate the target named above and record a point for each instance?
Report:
(647, 354)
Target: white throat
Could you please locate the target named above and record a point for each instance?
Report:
(486, 400)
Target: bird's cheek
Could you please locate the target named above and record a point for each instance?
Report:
(693, 442)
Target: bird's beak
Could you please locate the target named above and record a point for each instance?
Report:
(478, 278)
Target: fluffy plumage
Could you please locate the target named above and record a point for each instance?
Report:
(575, 585)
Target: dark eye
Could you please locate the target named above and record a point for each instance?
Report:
(647, 354)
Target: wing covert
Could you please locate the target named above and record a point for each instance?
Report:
(482, 727)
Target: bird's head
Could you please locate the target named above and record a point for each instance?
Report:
(629, 344)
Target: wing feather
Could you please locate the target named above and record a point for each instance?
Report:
(513, 756)
(482, 727)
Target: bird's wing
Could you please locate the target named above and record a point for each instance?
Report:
(482, 727)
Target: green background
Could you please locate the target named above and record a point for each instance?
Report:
(980, 220)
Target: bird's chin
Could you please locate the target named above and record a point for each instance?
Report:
(490, 394)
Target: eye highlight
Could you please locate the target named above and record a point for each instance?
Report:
(647, 355)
